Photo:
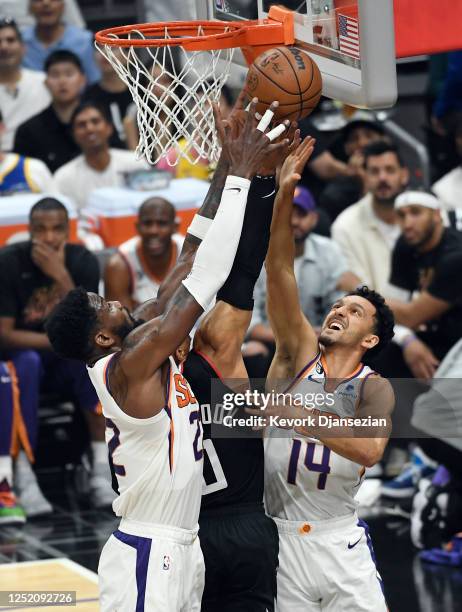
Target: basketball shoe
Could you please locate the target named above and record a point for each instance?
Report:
(32, 499)
(11, 513)
(405, 484)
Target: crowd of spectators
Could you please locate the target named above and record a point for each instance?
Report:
(68, 127)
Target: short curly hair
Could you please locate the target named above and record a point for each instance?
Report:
(384, 318)
(70, 325)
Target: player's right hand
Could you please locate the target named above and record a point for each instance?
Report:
(292, 168)
(246, 147)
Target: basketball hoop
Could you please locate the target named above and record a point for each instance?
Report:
(173, 99)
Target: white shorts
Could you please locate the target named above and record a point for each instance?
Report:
(327, 565)
(151, 568)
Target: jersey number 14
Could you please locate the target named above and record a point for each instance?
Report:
(323, 467)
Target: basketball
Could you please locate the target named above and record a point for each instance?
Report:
(288, 75)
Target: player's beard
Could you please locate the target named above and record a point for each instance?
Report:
(124, 329)
(325, 340)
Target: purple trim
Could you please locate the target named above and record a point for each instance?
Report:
(143, 550)
(302, 371)
(168, 410)
(365, 526)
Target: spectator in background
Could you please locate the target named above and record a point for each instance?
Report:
(449, 187)
(47, 136)
(366, 232)
(134, 273)
(50, 33)
(22, 91)
(99, 165)
(449, 101)
(321, 271)
(346, 189)
(337, 161)
(110, 91)
(425, 274)
(34, 276)
(19, 174)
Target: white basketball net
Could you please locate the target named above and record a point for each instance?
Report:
(173, 100)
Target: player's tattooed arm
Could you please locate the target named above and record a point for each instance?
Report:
(153, 308)
(293, 334)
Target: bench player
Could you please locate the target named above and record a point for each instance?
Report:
(326, 560)
(153, 561)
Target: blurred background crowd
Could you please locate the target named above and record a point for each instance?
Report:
(78, 208)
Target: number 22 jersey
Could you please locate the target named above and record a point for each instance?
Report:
(304, 479)
(158, 461)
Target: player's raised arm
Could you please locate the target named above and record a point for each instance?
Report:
(197, 230)
(293, 333)
(150, 344)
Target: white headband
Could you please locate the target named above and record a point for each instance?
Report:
(417, 198)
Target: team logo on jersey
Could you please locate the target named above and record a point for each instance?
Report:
(167, 561)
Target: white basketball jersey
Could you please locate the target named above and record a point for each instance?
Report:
(305, 480)
(144, 285)
(158, 461)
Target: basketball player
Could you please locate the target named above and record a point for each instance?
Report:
(238, 540)
(153, 561)
(326, 558)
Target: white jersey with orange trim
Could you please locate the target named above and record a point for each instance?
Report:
(304, 479)
(144, 285)
(158, 460)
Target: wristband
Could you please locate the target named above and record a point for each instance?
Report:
(407, 341)
(199, 226)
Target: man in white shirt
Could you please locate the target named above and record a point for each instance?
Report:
(19, 174)
(99, 165)
(367, 231)
(22, 92)
(449, 187)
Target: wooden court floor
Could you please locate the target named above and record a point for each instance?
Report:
(51, 575)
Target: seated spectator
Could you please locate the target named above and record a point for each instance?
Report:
(110, 91)
(34, 276)
(50, 33)
(22, 91)
(366, 232)
(134, 273)
(19, 174)
(344, 190)
(336, 171)
(449, 101)
(425, 272)
(47, 136)
(99, 165)
(320, 268)
(449, 188)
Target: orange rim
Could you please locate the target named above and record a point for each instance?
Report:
(278, 29)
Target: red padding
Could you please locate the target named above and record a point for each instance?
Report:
(427, 26)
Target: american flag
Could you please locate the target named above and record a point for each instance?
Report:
(348, 29)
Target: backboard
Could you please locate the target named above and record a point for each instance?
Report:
(352, 41)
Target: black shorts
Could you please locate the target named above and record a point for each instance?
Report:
(240, 547)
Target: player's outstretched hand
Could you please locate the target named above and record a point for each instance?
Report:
(292, 168)
(247, 147)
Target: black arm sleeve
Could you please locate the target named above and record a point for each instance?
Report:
(253, 245)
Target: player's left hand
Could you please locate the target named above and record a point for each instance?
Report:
(292, 168)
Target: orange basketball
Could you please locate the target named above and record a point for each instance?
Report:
(288, 75)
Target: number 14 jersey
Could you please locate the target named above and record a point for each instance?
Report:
(304, 479)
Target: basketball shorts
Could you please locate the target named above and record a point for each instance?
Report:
(151, 568)
(240, 549)
(327, 565)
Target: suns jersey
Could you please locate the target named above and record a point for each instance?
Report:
(158, 461)
(304, 479)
